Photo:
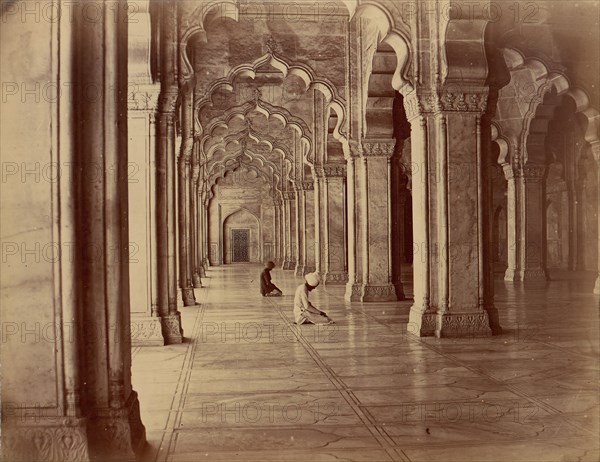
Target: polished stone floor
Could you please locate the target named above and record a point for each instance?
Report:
(249, 385)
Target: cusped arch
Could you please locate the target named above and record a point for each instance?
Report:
(221, 9)
(302, 71)
(268, 111)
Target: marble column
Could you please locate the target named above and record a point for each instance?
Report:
(318, 205)
(374, 220)
(146, 328)
(309, 231)
(165, 223)
(352, 293)
(66, 358)
(183, 202)
(334, 225)
(289, 219)
(299, 227)
(195, 257)
(200, 231)
(596, 154)
(398, 185)
(453, 295)
(525, 220)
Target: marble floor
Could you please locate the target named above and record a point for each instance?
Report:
(249, 385)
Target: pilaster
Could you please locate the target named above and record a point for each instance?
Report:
(334, 224)
(453, 297)
(596, 154)
(525, 198)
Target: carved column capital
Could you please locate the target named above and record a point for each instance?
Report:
(167, 100)
(288, 195)
(418, 103)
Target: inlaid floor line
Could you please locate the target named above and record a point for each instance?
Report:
(552, 410)
(384, 440)
(182, 383)
(442, 359)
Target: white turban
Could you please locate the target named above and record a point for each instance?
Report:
(313, 279)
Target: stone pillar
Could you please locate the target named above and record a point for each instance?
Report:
(205, 245)
(374, 220)
(453, 295)
(398, 201)
(145, 318)
(195, 227)
(200, 230)
(165, 222)
(66, 390)
(596, 153)
(288, 230)
(334, 225)
(353, 285)
(318, 232)
(525, 217)
(309, 231)
(284, 233)
(183, 202)
(300, 226)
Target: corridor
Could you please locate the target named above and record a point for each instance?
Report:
(249, 385)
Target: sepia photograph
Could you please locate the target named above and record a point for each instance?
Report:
(300, 230)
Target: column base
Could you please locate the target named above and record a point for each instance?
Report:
(359, 292)
(285, 264)
(202, 272)
(455, 325)
(353, 292)
(171, 328)
(299, 270)
(179, 301)
(376, 293)
(336, 278)
(46, 438)
(117, 434)
(187, 294)
(526, 275)
(597, 286)
(146, 331)
(196, 281)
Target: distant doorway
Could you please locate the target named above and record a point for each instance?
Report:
(240, 242)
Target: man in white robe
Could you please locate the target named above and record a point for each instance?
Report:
(304, 311)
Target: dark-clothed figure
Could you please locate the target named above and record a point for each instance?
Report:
(267, 288)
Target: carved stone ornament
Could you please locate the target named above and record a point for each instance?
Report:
(289, 195)
(45, 439)
(378, 148)
(464, 101)
(334, 170)
(143, 98)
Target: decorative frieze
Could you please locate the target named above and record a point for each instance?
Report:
(378, 148)
(372, 293)
(288, 195)
(146, 331)
(416, 104)
(334, 170)
(305, 185)
(464, 101)
(333, 278)
(143, 98)
(44, 439)
(456, 325)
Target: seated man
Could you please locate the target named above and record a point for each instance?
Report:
(267, 288)
(304, 311)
